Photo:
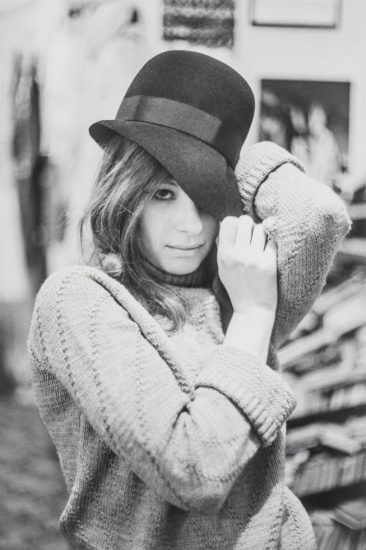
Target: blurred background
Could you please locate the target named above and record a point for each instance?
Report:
(67, 63)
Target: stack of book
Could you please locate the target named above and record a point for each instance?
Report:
(342, 526)
(325, 363)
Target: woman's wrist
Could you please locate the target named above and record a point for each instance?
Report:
(251, 331)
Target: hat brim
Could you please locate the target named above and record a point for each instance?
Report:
(201, 171)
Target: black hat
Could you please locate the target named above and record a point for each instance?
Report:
(192, 113)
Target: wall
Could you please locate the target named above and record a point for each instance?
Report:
(311, 54)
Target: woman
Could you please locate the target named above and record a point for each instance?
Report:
(155, 369)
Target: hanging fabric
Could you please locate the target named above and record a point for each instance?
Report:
(206, 22)
(29, 166)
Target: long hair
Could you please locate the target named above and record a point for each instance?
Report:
(128, 177)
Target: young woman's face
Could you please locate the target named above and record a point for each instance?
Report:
(175, 235)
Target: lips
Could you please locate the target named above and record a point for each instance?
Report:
(185, 247)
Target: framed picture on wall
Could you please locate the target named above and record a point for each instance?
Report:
(295, 13)
(310, 119)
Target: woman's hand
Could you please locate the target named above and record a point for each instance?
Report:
(247, 264)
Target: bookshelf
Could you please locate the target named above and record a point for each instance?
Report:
(324, 361)
(327, 472)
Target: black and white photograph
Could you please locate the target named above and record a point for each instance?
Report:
(295, 13)
(310, 119)
(182, 275)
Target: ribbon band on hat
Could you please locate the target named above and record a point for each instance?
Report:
(192, 113)
(185, 118)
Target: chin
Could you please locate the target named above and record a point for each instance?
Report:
(183, 268)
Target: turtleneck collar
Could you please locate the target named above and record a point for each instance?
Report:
(201, 277)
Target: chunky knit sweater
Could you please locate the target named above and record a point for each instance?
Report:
(176, 441)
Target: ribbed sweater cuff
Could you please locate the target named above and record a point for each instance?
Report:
(255, 165)
(262, 394)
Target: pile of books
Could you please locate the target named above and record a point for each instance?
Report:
(342, 526)
(324, 361)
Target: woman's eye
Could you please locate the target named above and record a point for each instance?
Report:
(164, 194)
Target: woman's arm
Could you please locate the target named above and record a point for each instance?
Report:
(250, 332)
(188, 443)
(305, 217)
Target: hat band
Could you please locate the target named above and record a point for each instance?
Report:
(185, 118)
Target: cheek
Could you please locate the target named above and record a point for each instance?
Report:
(211, 229)
(144, 238)
(151, 228)
(144, 232)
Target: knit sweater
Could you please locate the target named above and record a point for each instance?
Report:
(176, 441)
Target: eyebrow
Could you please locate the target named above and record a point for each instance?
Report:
(174, 183)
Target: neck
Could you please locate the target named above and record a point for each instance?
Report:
(201, 277)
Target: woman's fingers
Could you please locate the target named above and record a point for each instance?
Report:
(244, 233)
(259, 237)
(227, 233)
(271, 248)
(247, 264)
(241, 232)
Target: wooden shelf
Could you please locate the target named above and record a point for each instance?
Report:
(327, 472)
(357, 211)
(334, 415)
(352, 249)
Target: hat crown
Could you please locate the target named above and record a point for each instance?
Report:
(192, 113)
(200, 81)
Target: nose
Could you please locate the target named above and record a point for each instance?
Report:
(188, 217)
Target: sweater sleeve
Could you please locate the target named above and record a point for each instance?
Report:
(187, 443)
(305, 218)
